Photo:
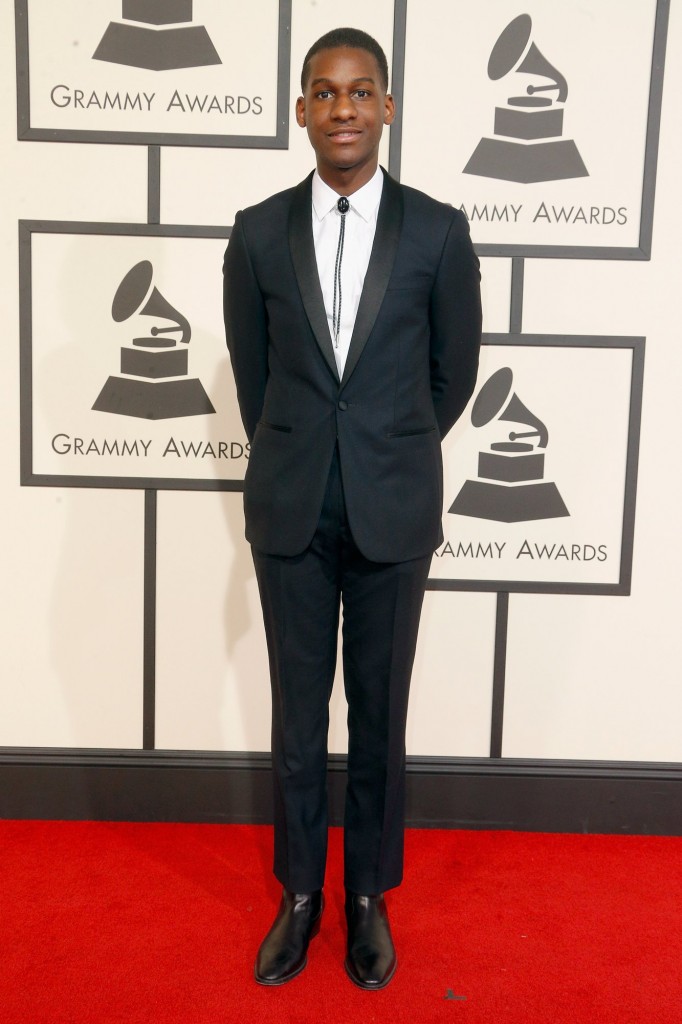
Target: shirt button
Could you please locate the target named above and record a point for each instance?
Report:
(343, 405)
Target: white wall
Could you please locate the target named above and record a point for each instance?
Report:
(592, 677)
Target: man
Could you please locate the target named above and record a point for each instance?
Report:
(352, 313)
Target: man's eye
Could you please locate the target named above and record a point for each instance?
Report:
(361, 93)
(325, 94)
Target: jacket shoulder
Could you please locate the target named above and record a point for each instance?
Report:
(426, 206)
(266, 224)
(272, 210)
(428, 223)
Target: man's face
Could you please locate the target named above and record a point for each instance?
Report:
(344, 109)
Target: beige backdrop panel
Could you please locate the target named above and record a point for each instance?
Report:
(586, 677)
(600, 677)
(209, 186)
(71, 581)
(450, 709)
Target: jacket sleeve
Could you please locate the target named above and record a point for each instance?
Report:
(246, 327)
(455, 321)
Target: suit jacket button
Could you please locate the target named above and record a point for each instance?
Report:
(343, 405)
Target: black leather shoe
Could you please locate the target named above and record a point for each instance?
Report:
(371, 960)
(284, 951)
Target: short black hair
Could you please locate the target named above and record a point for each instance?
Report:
(355, 39)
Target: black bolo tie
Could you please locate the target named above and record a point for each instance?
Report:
(343, 206)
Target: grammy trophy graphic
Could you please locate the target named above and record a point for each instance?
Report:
(156, 385)
(155, 34)
(510, 487)
(527, 146)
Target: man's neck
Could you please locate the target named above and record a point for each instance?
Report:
(346, 181)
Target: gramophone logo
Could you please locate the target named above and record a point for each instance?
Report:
(156, 385)
(528, 144)
(157, 35)
(510, 487)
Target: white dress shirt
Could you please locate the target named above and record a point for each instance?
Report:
(361, 223)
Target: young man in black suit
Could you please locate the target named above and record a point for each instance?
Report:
(353, 321)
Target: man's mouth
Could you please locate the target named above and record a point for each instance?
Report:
(344, 133)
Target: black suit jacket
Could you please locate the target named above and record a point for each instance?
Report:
(410, 371)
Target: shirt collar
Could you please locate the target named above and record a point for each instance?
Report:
(365, 201)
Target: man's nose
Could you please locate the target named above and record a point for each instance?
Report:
(344, 108)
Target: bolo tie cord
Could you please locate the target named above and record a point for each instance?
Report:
(343, 207)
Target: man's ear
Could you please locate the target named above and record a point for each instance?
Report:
(389, 112)
(300, 112)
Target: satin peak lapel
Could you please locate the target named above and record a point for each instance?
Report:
(386, 238)
(302, 250)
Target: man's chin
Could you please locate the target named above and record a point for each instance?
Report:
(344, 162)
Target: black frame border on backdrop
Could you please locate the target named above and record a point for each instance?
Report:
(622, 588)
(598, 252)
(26, 132)
(27, 228)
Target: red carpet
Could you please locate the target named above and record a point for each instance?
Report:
(160, 923)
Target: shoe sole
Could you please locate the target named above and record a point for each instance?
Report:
(288, 977)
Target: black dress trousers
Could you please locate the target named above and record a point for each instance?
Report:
(301, 598)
